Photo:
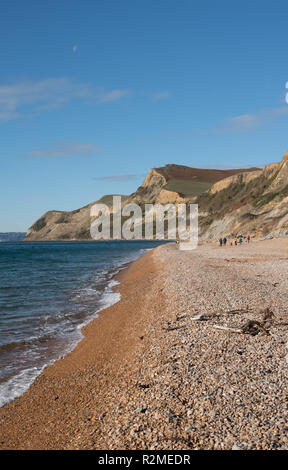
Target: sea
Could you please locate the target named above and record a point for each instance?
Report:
(48, 292)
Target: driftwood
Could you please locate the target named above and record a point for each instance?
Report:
(202, 317)
(226, 328)
(172, 328)
(181, 317)
(268, 315)
(253, 327)
(208, 315)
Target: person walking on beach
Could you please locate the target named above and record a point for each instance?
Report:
(248, 238)
(235, 241)
(224, 241)
(220, 242)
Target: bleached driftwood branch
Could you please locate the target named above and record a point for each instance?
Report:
(226, 328)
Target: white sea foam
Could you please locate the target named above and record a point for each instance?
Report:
(18, 384)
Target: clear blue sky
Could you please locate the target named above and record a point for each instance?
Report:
(95, 93)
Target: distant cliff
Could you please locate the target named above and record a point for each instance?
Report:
(230, 202)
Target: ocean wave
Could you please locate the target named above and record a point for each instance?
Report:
(18, 384)
(25, 342)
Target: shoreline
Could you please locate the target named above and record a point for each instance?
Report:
(106, 329)
(22, 380)
(148, 376)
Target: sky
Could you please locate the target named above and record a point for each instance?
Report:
(95, 93)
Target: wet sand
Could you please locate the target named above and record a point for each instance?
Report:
(148, 376)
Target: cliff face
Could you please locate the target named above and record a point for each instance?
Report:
(153, 190)
(230, 202)
(57, 225)
(255, 203)
(150, 188)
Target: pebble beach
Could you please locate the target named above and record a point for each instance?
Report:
(171, 366)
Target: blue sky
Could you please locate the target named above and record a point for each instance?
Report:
(95, 93)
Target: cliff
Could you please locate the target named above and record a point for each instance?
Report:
(230, 202)
(254, 203)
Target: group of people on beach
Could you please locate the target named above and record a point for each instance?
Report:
(237, 240)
